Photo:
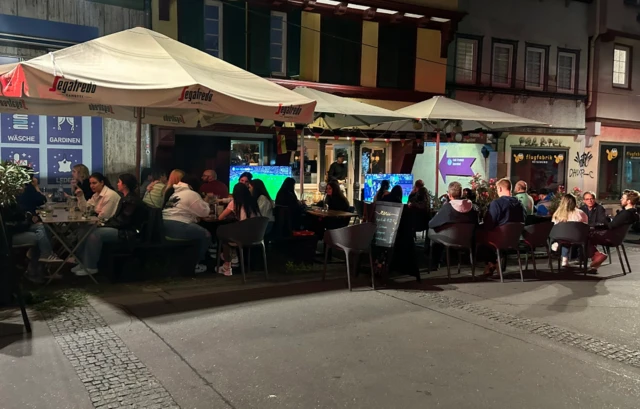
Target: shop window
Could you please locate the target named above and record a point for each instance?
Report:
(466, 60)
(567, 63)
(213, 27)
(540, 168)
(246, 153)
(619, 170)
(310, 163)
(536, 58)
(503, 65)
(278, 44)
(621, 64)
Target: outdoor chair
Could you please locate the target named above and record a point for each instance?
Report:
(10, 284)
(534, 236)
(359, 209)
(571, 234)
(459, 236)
(245, 234)
(615, 238)
(356, 239)
(504, 237)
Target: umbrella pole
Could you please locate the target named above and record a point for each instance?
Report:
(302, 165)
(138, 142)
(437, 162)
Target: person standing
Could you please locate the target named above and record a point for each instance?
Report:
(523, 197)
(338, 170)
(595, 211)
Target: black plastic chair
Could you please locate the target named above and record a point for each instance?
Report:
(615, 238)
(245, 234)
(358, 205)
(534, 236)
(504, 237)
(571, 234)
(10, 284)
(356, 239)
(459, 236)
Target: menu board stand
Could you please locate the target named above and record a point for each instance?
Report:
(386, 216)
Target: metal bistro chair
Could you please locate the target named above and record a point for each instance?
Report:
(534, 236)
(571, 234)
(504, 237)
(247, 233)
(615, 238)
(357, 239)
(459, 236)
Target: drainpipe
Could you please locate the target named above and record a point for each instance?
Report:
(592, 52)
(147, 14)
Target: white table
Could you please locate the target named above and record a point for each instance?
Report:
(58, 217)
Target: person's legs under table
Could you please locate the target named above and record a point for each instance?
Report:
(94, 243)
(189, 231)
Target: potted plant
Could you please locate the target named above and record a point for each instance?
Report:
(12, 180)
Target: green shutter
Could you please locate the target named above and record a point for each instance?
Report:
(397, 56)
(294, 22)
(234, 40)
(191, 23)
(340, 50)
(258, 33)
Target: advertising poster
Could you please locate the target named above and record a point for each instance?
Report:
(52, 145)
(458, 163)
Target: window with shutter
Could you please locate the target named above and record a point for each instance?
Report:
(213, 28)
(621, 60)
(466, 60)
(566, 72)
(534, 68)
(278, 44)
(502, 65)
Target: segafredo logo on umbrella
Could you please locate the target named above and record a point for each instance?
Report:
(16, 104)
(288, 111)
(73, 88)
(173, 119)
(196, 96)
(101, 109)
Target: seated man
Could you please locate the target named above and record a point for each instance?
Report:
(419, 197)
(594, 210)
(523, 197)
(505, 209)
(627, 216)
(212, 185)
(456, 210)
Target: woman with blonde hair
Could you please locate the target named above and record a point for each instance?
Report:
(175, 177)
(80, 180)
(568, 212)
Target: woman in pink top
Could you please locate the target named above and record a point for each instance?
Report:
(104, 199)
(568, 212)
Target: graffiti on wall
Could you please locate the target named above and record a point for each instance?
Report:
(582, 161)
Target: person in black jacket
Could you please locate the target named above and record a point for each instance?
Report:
(123, 226)
(80, 180)
(594, 210)
(627, 216)
(395, 196)
(455, 211)
(286, 197)
(31, 197)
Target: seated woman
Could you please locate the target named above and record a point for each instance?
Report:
(382, 191)
(175, 177)
(567, 212)
(180, 218)
(265, 203)
(286, 197)
(419, 196)
(124, 225)
(335, 199)
(154, 193)
(29, 200)
(395, 196)
(105, 200)
(80, 180)
(242, 206)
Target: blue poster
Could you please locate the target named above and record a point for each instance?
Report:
(59, 165)
(22, 156)
(64, 130)
(20, 128)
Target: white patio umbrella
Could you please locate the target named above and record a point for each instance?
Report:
(439, 113)
(138, 70)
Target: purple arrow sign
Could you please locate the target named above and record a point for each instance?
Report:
(456, 166)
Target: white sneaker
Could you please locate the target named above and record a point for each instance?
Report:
(565, 261)
(51, 258)
(200, 268)
(76, 268)
(235, 262)
(86, 272)
(227, 271)
(554, 247)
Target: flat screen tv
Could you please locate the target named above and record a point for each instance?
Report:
(271, 176)
(372, 184)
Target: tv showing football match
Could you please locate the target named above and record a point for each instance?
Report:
(372, 184)
(271, 176)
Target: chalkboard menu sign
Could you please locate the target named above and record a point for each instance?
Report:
(387, 219)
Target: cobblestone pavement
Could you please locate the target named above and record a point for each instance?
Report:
(620, 353)
(111, 373)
